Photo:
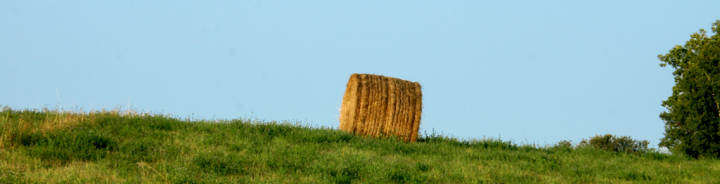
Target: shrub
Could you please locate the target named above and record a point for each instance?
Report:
(623, 144)
(563, 145)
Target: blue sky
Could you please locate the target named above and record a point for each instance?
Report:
(528, 71)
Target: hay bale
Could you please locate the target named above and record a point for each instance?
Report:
(375, 105)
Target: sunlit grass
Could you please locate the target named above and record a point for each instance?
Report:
(114, 146)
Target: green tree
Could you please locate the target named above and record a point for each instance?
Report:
(692, 122)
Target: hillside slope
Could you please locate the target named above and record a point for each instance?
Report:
(50, 146)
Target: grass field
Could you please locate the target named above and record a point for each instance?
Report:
(51, 146)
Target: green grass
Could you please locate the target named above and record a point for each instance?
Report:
(50, 146)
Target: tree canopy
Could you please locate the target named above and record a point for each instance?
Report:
(692, 119)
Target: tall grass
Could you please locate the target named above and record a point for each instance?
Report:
(52, 146)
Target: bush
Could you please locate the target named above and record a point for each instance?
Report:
(563, 145)
(623, 144)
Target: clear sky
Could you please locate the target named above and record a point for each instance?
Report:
(528, 71)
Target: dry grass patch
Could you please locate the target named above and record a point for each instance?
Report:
(73, 172)
(47, 120)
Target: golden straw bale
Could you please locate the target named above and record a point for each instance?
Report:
(418, 112)
(391, 112)
(364, 103)
(371, 101)
(349, 109)
(375, 105)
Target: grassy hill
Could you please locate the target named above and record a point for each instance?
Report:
(50, 146)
